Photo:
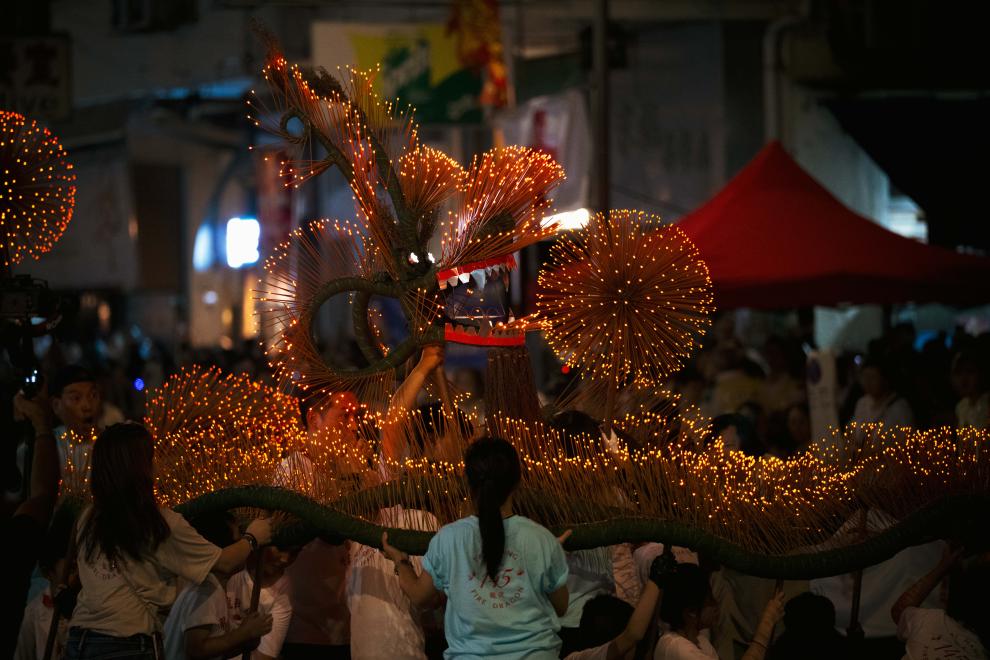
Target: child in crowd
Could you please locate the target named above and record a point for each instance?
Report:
(962, 629)
(78, 402)
(199, 625)
(611, 629)
(37, 621)
(274, 597)
(690, 610)
(505, 576)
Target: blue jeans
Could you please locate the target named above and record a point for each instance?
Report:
(85, 644)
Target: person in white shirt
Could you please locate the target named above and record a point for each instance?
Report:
(78, 403)
(131, 551)
(880, 584)
(320, 624)
(374, 594)
(376, 600)
(590, 572)
(35, 627)
(970, 384)
(689, 609)
(881, 403)
(611, 629)
(37, 621)
(962, 629)
(199, 625)
(273, 599)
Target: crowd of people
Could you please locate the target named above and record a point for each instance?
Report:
(761, 393)
(131, 579)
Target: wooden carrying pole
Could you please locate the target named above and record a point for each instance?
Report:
(855, 631)
(255, 590)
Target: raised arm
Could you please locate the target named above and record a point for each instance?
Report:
(235, 554)
(638, 624)
(44, 464)
(642, 616)
(404, 399)
(914, 595)
(772, 613)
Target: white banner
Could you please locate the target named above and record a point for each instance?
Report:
(558, 125)
(822, 393)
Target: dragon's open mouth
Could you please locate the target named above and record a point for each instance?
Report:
(476, 303)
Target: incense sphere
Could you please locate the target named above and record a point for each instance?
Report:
(626, 297)
(37, 189)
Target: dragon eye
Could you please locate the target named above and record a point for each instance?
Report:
(413, 259)
(431, 258)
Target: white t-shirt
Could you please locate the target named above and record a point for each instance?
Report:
(594, 653)
(590, 574)
(376, 600)
(80, 450)
(892, 411)
(930, 634)
(974, 413)
(127, 598)
(199, 605)
(272, 600)
(35, 625)
(677, 647)
(882, 583)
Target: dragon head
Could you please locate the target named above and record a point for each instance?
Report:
(412, 202)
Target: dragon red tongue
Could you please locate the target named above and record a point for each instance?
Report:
(469, 335)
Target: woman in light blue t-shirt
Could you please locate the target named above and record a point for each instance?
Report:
(504, 575)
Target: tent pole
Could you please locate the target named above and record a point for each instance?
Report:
(599, 108)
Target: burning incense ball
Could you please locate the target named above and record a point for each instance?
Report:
(625, 298)
(37, 189)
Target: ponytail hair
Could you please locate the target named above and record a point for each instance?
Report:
(492, 469)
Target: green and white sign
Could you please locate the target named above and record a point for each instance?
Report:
(418, 65)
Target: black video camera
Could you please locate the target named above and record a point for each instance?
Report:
(28, 309)
(23, 297)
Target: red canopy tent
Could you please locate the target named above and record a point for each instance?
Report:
(774, 237)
